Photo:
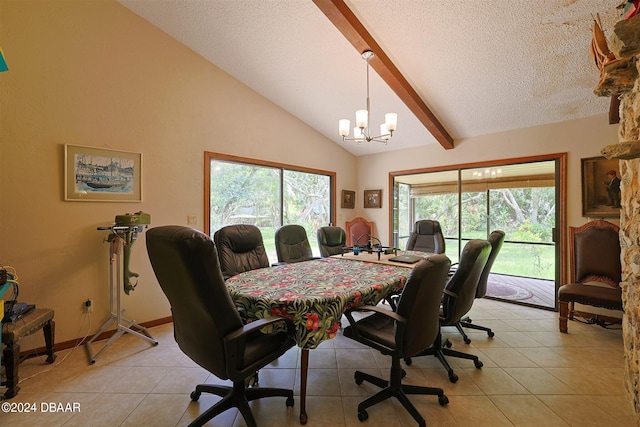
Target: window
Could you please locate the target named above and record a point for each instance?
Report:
(267, 195)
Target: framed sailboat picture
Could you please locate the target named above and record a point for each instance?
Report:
(102, 175)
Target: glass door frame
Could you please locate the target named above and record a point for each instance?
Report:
(559, 232)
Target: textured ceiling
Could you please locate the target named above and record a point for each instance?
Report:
(481, 66)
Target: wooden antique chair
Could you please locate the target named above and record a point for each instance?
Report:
(596, 272)
(356, 228)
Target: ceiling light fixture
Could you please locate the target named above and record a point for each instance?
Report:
(361, 131)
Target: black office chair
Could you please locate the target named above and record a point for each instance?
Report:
(207, 326)
(240, 248)
(292, 244)
(496, 238)
(457, 300)
(426, 237)
(331, 240)
(403, 333)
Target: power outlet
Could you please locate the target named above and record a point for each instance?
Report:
(87, 306)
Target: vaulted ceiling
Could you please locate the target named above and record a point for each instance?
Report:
(460, 68)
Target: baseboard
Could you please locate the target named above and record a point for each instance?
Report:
(103, 336)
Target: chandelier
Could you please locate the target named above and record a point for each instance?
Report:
(361, 131)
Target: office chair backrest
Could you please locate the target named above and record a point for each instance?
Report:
(460, 290)
(240, 248)
(419, 303)
(595, 253)
(292, 244)
(331, 240)
(426, 237)
(186, 265)
(496, 238)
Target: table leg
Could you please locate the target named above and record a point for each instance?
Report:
(304, 367)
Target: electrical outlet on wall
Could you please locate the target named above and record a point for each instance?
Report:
(87, 306)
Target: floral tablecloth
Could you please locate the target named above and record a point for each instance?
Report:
(314, 294)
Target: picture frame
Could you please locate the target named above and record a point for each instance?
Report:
(101, 174)
(600, 191)
(348, 199)
(372, 198)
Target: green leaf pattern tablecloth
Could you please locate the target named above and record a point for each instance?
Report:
(314, 294)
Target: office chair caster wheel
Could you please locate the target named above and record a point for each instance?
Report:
(289, 401)
(453, 378)
(491, 334)
(408, 361)
(443, 400)
(358, 378)
(447, 343)
(363, 416)
(404, 373)
(478, 364)
(467, 340)
(195, 395)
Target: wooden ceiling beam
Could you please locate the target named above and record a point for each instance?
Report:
(353, 30)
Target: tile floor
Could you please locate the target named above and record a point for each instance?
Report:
(532, 376)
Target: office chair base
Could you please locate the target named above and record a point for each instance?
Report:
(466, 323)
(237, 396)
(440, 349)
(395, 388)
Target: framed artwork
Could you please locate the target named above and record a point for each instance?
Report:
(102, 175)
(372, 198)
(348, 199)
(600, 187)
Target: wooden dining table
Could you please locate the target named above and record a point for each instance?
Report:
(315, 294)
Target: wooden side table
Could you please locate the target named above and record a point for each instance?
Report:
(40, 318)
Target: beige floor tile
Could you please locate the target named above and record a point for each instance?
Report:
(533, 375)
(580, 411)
(539, 381)
(527, 411)
(477, 411)
(158, 410)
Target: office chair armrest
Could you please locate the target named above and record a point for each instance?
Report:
(451, 294)
(388, 313)
(241, 334)
(235, 343)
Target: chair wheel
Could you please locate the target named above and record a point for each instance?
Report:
(478, 364)
(447, 343)
(491, 334)
(443, 400)
(363, 416)
(289, 401)
(453, 378)
(358, 378)
(195, 395)
(467, 340)
(404, 373)
(408, 361)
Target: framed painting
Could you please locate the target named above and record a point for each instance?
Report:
(600, 187)
(102, 175)
(372, 198)
(348, 199)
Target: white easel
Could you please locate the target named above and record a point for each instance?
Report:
(119, 236)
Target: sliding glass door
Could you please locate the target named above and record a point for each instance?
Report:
(470, 201)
